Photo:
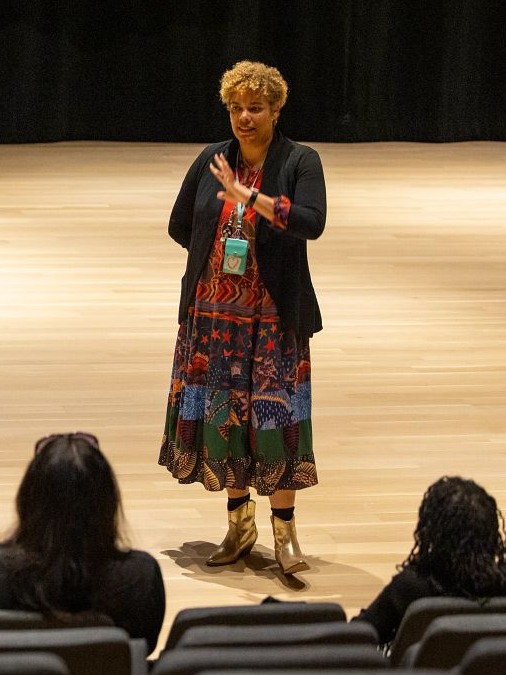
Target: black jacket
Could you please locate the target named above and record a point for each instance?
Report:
(385, 613)
(131, 593)
(290, 169)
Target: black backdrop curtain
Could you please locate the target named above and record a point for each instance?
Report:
(358, 70)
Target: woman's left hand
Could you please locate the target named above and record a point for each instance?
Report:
(233, 190)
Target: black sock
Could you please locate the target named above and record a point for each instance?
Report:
(284, 514)
(235, 502)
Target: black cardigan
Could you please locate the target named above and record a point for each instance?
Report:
(290, 169)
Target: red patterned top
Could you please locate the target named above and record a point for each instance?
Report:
(220, 293)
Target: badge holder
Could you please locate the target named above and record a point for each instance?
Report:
(236, 249)
(236, 254)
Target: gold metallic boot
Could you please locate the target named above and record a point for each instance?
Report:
(286, 547)
(241, 536)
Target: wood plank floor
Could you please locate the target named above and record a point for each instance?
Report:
(409, 374)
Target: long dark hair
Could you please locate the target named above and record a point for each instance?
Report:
(459, 539)
(69, 513)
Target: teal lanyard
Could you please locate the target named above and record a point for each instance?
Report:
(240, 212)
(239, 207)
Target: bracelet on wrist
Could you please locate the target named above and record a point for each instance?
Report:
(252, 198)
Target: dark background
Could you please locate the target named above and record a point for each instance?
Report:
(358, 70)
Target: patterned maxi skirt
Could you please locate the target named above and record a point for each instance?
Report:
(239, 407)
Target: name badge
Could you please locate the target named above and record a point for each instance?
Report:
(236, 254)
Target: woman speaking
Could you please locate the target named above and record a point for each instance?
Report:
(239, 408)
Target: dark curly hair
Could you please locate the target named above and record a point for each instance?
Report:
(459, 539)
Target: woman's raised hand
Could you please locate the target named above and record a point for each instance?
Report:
(233, 190)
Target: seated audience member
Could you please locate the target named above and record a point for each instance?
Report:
(65, 555)
(458, 551)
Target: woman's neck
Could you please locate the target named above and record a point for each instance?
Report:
(254, 157)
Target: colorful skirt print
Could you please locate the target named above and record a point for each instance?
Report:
(239, 408)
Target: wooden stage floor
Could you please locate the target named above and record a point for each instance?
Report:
(409, 373)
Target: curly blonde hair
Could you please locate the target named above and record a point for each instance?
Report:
(257, 77)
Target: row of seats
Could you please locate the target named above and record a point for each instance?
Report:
(423, 612)
(436, 633)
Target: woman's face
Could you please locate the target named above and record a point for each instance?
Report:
(252, 118)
